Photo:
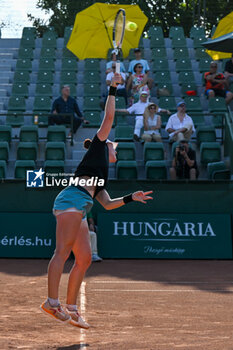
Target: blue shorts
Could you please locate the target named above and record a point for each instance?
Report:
(74, 197)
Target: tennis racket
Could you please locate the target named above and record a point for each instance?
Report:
(118, 36)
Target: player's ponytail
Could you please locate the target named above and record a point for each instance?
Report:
(87, 143)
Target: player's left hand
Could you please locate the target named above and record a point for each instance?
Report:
(141, 196)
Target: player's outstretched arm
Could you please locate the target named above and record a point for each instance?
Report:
(109, 113)
(109, 204)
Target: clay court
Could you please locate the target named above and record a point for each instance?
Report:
(131, 304)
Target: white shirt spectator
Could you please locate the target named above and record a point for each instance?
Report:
(144, 63)
(152, 122)
(119, 86)
(175, 123)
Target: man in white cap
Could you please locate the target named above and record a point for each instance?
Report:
(138, 109)
(180, 125)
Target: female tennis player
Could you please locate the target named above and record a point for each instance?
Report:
(70, 208)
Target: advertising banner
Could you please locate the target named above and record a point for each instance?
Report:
(27, 235)
(164, 236)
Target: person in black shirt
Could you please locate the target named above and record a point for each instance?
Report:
(66, 104)
(229, 71)
(184, 164)
(70, 208)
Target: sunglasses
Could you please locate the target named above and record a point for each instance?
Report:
(139, 66)
(144, 95)
(182, 105)
(213, 66)
(152, 107)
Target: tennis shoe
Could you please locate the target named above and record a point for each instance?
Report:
(56, 312)
(76, 320)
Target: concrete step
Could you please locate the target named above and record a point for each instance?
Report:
(3, 93)
(6, 56)
(4, 80)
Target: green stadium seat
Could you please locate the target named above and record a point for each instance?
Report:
(22, 77)
(24, 64)
(205, 133)
(156, 170)
(197, 42)
(153, 151)
(56, 133)
(67, 34)
(183, 64)
(25, 53)
(217, 105)
(168, 102)
(120, 119)
(179, 42)
(21, 166)
(126, 151)
(16, 103)
(94, 119)
(27, 151)
(5, 133)
(204, 65)
(92, 77)
(45, 77)
(197, 32)
(164, 87)
(213, 31)
(159, 52)
(162, 77)
(19, 89)
(160, 64)
(156, 42)
(155, 31)
(29, 31)
(188, 87)
(28, 133)
(46, 64)
(49, 41)
(91, 89)
(176, 32)
(42, 103)
(47, 52)
(180, 53)
(120, 102)
(201, 53)
(91, 103)
(54, 166)
(68, 77)
(210, 152)
(28, 42)
(218, 171)
(44, 89)
(2, 169)
(193, 104)
(42, 117)
(186, 77)
(14, 118)
(126, 170)
(50, 31)
(124, 133)
(67, 53)
(69, 64)
(4, 150)
(55, 151)
(92, 64)
(198, 119)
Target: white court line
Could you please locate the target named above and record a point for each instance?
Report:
(166, 282)
(161, 290)
(82, 311)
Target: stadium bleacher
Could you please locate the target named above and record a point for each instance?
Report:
(32, 71)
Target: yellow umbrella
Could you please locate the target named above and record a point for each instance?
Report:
(91, 36)
(225, 26)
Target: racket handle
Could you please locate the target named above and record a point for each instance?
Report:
(118, 67)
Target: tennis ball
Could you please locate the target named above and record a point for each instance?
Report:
(131, 26)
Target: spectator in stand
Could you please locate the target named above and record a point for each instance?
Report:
(137, 82)
(184, 164)
(138, 109)
(180, 125)
(215, 83)
(152, 124)
(144, 63)
(229, 71)
(113, 60)
(121, 90)
(93, 238)
(65, 104)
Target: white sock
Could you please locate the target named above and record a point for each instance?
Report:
(53, 302)
(71, 307)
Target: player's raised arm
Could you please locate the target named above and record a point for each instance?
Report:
(109, 112)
